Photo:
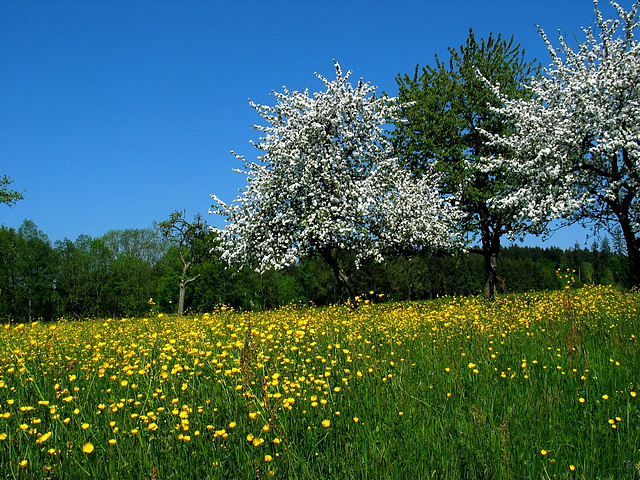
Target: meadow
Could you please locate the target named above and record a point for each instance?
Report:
(537, 385)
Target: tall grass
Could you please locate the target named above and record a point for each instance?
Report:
(530, 386)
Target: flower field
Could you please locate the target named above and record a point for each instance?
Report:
(540, 385)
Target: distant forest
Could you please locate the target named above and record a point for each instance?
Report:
(131, 272)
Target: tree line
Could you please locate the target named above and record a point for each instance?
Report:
(131, 272)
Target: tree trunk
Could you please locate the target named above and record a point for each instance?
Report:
(341, 277)
(490, 274)
(633, 250)
(184, 281)
(183, 286)
(490, 252)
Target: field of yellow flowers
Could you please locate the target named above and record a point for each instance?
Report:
(540, 385)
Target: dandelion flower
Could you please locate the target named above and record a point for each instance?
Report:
(543, 452)
(87, 447)
(326, 423)
(268, 458)
(22, 464)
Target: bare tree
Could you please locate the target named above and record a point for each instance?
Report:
(190, 241)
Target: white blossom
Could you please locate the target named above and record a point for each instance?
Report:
(576, 143)
(326, 179)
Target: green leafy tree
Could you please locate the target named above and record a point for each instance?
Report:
(210, 290)
(8, 196)
(132, 282)
(83, 282)
(36, 270)
(141, 243)
(444, 108)
(133, 269)
(8, 271)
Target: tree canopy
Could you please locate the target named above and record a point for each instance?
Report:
(575, 149)
(444, 109)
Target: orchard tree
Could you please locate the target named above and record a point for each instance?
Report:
(444, 108)
(576, 144)
(327, 184)
(190, 240)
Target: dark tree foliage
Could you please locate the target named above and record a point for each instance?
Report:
(85, 278)
(28, 271)
(446, 105)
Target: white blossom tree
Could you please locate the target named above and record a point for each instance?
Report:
(327, 183)
(577, 141)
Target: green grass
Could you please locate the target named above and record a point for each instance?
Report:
(448, 389)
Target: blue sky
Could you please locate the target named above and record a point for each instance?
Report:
(113, 114)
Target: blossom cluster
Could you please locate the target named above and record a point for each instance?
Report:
(327, 179)
(576, 143)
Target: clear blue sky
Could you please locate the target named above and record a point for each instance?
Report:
(114, 114)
